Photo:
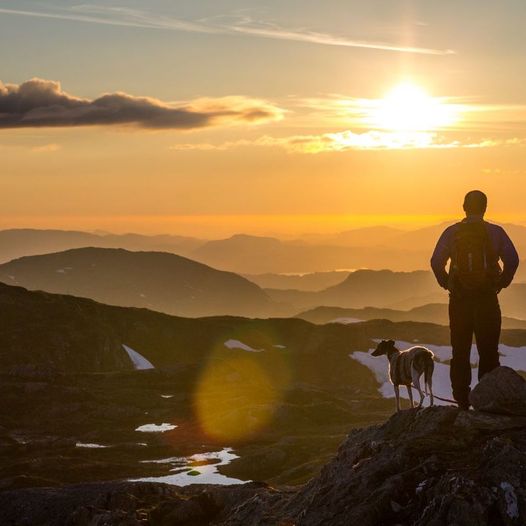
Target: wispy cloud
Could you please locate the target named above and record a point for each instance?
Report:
(43, 103)
(232, 24)
(348, 140)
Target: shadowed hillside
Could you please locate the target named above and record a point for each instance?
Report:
(155, 280)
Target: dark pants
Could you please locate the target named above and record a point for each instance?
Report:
(480, 315)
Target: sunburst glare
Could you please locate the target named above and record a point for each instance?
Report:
(409, 108)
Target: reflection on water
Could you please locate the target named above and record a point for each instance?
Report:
(196, 469)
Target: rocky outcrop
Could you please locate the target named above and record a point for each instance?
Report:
(501, 391)
(433, 467)
(122, 504)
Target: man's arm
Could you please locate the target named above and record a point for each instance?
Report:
(440, 258)
(510, 259)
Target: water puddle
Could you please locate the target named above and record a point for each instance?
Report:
(196, 469)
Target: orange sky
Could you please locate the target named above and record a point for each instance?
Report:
(228, 118)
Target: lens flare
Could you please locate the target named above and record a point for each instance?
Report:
(241, 388)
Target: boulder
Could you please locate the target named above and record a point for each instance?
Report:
(502, 391)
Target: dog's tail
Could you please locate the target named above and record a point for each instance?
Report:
(429, 367)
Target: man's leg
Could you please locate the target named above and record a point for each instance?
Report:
(461, 327)
(487, 332)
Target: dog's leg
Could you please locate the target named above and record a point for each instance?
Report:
(410, 394)
(430, 385)
(428, 379)
(397, 396)
(416, 382)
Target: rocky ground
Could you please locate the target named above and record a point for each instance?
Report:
(434, 467)
(42, 421)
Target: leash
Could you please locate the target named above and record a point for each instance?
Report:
(445, 399)
(438, 397)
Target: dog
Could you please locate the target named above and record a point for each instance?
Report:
(406, 368)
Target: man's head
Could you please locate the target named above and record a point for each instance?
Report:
(475, 203)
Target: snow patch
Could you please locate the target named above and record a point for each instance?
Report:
(442, 352)
(378, 365)
(514, 357)
(202, 466)
(512, 507)
(280, 346)
(236, 344)
(155, 428)
(88, 445)
(167, 396)
(138, 360)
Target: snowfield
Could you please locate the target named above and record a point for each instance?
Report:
(514, 357)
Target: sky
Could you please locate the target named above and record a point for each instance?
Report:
(209, 118)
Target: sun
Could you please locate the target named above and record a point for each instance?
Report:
(408, 108)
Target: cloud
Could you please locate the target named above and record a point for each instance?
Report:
(348, 140)
(266, 30)
(228, 25)
(43, 103)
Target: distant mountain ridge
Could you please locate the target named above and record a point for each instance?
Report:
(15, 243)
(431, 313)
(386, 289)
(372, 247)
(155, 280)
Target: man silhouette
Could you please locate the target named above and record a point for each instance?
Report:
(474, 278)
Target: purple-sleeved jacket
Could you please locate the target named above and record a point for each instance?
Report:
(502, 245)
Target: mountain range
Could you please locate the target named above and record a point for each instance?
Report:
(176, 285)
(15, 243)
(155, 280)
(431, 313)
(374, 248)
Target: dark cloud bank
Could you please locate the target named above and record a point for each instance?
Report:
(42, 103)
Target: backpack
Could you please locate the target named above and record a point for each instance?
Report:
(474, 264)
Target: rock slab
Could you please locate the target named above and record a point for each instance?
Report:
(502, 391)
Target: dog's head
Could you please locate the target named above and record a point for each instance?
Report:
(384, 347)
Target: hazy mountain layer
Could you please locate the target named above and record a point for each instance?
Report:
(155, 280)
(306, 282)
(432, 313)
(392, 290)
(373, 247)
(16, 243)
